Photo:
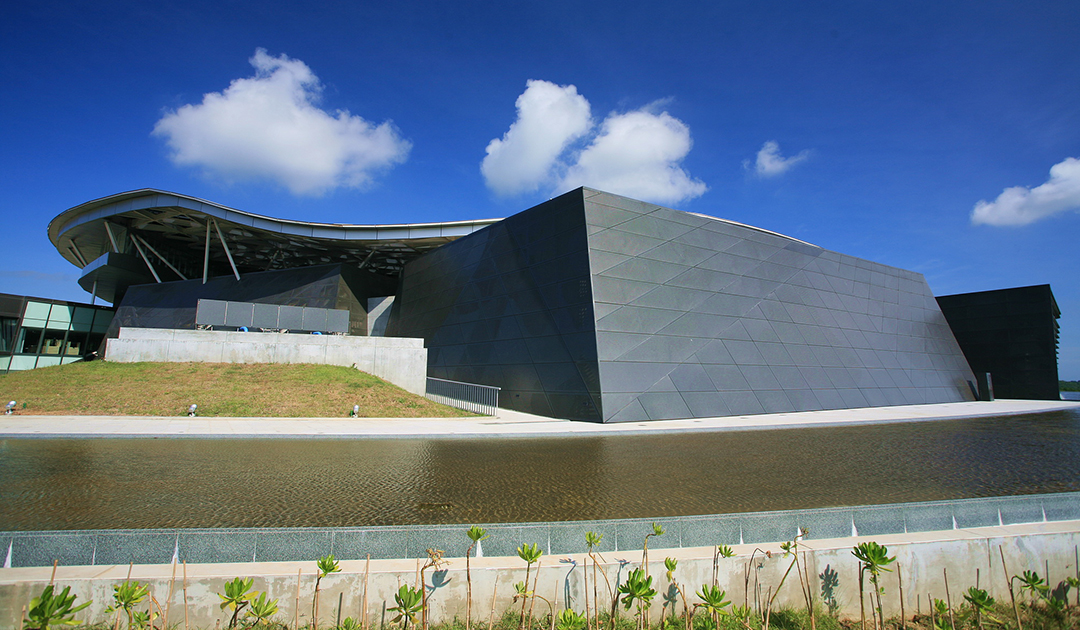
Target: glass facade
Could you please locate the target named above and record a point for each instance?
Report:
(37, 332)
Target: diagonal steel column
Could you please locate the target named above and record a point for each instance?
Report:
(112, 237)
(162, 258)
(228, 254)
(206, 252)
(146, 260)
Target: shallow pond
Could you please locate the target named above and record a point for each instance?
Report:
(143, 483)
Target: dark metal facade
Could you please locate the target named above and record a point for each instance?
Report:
(1013, 335)
(598, 307)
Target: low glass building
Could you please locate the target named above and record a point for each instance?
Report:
(39, 332)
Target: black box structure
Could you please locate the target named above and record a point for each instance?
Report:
(597, 307)
(1013, 335)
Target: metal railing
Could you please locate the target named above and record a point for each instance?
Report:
(482, 399)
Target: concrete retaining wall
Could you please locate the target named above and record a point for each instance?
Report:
(970, 556)
(401, 361)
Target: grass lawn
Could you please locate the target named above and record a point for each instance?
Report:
(220, 389)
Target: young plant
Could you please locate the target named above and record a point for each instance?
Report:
(435, 558)
(656, 531)
(349, 623)
(670, 564)
(126, 596)
(325, 565)
(570, 620)
(410, 601)
(475, 534)
(638, 590)
(52, 609)
(530, 554)
(981, 603)
(592, 540)
(261, 609)
(873, 558)
(712, 601)
(237, 596)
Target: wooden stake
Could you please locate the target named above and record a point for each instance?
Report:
(53, 576)
(296, 620)
(948, 598)
(363, 613)
(862, 606)
(494, 595)
(1008, 581)
(185, 597)
(900, 582)
(930, 600)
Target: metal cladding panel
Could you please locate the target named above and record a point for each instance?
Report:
(210, 313)
(763, 323)
(510, 306)
(598, 307)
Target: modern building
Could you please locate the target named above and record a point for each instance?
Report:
(590, 306)
(1011, 334)
(37, 332)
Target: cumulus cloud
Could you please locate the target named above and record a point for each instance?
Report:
(549, 118)
(555, 143)
(637, 154)
(1020, 205)
(770, 163)
(270, 127)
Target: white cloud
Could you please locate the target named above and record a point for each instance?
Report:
(770, 163)
(554, 143)
(550, 117)
(1020, 205)
(637, 154)
(269, 127)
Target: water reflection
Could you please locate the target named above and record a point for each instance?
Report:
(102, 483)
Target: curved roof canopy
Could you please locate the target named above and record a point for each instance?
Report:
(151, 235)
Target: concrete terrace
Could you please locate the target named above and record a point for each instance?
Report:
(507, 424)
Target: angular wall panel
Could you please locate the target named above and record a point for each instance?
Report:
(597, 307)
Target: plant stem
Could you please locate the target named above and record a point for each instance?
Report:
(862, 606)
(185, 597)
(296, 609)
(1012, 596)
(900, 587)
(168, 601)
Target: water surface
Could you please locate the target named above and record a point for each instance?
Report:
(143, 483)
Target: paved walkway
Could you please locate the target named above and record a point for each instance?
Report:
(506, 424)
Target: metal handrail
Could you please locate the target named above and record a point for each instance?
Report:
(482, 399)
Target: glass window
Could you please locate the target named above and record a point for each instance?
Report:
(53, 342)
(60, 317)
(44, 361)
(36, 310)
(29, 339)
(22, 363)
(82, 319)
(7, 333)
(102, 319)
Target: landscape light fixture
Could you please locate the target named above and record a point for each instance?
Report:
(191, 410)
(10, 407)
(355, 411)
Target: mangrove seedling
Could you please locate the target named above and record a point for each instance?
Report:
(261, 608)
(126, 596)
(670, 564)
(873, 559)
(981, 603)
(656, 531)
(638, 590)
(410, 601)
(325, 565)
(530, 554)
(592, 540)
(712, 601)
(435, 558)
(237, 596)
(475, 534)
(52, 609)
(349, 623)
(569, 620)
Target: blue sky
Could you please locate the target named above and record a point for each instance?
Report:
(873, 129)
